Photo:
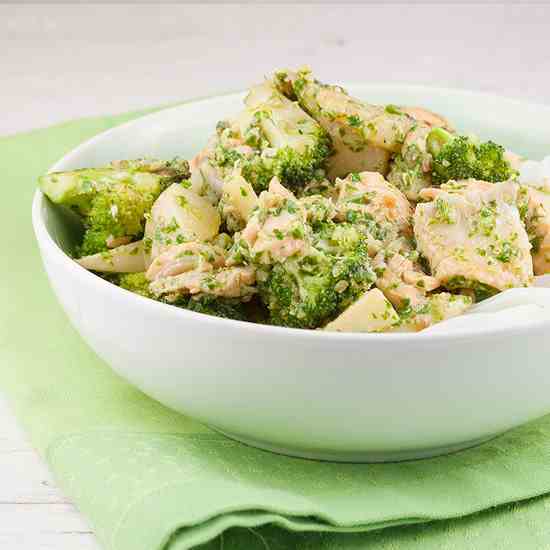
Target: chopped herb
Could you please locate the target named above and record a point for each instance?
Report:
(443, 213)
(147, 244)
(354, 121)
(298, 233)
(393, 110)
(507, 252)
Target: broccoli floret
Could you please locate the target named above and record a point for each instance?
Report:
(288, 143)
(135, 282)
(339, 238)
(219, 307)
(462, 157)
(296, 169)
(410, 170)
(117, 212)
(436, 308)
(113, 200)
(318, 209)
(480, 291)
(307, 291)
(323, 187)
(170, 171)
(210, 305)
(258, 171)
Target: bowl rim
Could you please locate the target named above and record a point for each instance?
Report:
(50, 247)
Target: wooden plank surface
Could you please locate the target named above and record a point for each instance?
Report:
(34, 513)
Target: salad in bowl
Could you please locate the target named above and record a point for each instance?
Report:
(313, 209)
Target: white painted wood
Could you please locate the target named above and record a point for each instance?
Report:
(48, 541)
(34, 513)
(59, 518)
(64, 61)
(29, 480)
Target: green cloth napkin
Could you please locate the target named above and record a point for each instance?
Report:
(150, 479)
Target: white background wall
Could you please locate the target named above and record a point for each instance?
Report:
(65, 61)
(60, 62)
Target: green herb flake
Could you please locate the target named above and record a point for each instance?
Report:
(354, 121)
(393, 110)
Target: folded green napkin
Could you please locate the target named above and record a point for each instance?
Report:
(150, 479)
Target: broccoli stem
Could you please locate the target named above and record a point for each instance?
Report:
(436, 139)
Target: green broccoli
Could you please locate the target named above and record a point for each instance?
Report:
(318, 208)
(436, 308)
(286, 142)
(117, 212)
(462, 157)
(219, 307)
(113, 200)
(293, 169)
(135, 282)
(480, 291)
(296, 169)
(258, 171)
(308, 290)
(169, 171)
(210, 305)
(411, 169)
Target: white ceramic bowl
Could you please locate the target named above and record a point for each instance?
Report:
(348, 397)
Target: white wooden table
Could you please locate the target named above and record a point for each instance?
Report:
(65, 61)
(34, 513)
